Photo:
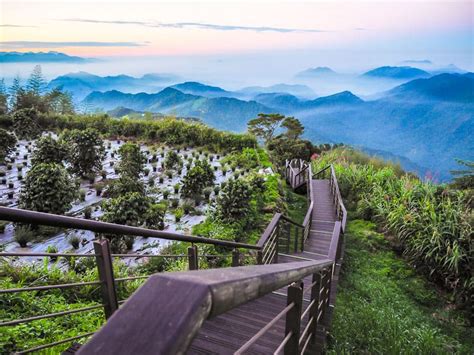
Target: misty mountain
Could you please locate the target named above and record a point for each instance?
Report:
(316, 72)
(41, 57)
(81, 84)
(221, 112)
(289, 104)
(195, 88)
(301, 91)
(446, 87)
(415, 121)
(397, 73)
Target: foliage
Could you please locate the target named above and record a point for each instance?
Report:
(132, 161)
(26, 123)
(432, 223)
(233, 203)
(248, 158)
(23, 235)
(173, 160)
(133, 209)
(265, 125)
(294, 128)
(197, 179)
(7, 144)
(48, 188)
(48, 150)
(283, 148)
(27, 304)
(123, 185)
(86, 151)
(36, 82)
(464, 179)
(383, 307)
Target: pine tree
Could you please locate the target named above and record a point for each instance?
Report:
(15, 90)
(3, 98)
(36, 83)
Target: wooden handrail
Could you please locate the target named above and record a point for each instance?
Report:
(47, 219)
(144, 326)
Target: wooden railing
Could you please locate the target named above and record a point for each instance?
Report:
(145, 326)
(166, 312)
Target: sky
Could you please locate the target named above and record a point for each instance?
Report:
(276, 35)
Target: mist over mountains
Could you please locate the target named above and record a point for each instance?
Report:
(424, 121)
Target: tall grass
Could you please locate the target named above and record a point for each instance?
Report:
(433, 224)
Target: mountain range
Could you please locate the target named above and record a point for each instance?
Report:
(425, 122)
(81, 84)
(41, 57)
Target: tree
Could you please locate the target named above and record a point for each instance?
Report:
(464, 179)
(294, 127)
(26, 123)
(282, 148)
(36, 83)
(59, 102)
(234, 202)
(132, 161)
(7, 144)
(125, 184)
(14, 91)
(85, 151)
(3, 98)
(49, 150)
(132, 209)
(264, 125)
(197, 179)
(48, 188)
(173, 160)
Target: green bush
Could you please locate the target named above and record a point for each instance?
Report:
(48, 188)
(23, 235)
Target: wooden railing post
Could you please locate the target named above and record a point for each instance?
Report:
(106, 276)
(235, 258)
(293, 318)
(193, 263)
(316, 310)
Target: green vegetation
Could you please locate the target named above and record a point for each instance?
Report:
(431, 224)
(48, 188)
(86, 151)
(384, 307)
(7, 144)
(197, 179)
(132, 161)
(49, 150)
(27, 304)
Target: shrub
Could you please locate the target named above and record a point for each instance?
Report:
(49, 150)
(48, 188)
(197, 178)
(53, 250)
(88, 212)
(132, 161)
(173, 160)
(7, 144)
(23, 235)
(86, 151)
(26, 123)
(74, 240)
(178, 214)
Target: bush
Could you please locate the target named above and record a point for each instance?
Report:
(53, 250)
(26, 123)
(48, 188)
(48, 150)
(178, 214)
(86, 151)
(173, 160)
(197, 178)
(23, 235)
(7, 144)
(132, 161)
(74, 240)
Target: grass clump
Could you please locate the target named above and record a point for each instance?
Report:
(384, 307)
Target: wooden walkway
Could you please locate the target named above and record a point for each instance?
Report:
(226, 333)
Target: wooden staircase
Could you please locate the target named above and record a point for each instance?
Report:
(226, 333)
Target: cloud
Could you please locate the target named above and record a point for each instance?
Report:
(16, 26)
(39, 44)
(205, 26)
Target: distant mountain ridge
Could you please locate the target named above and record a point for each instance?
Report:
(41, 57)
(81, 84)
(221, 112)
(443, 87)
(389, 72)
(318, 71)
